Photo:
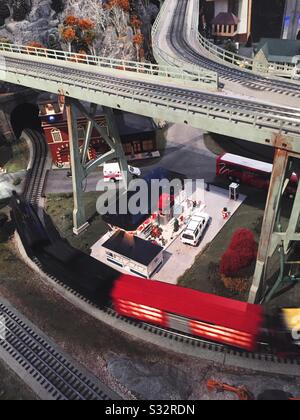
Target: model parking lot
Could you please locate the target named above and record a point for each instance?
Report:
(179, 257)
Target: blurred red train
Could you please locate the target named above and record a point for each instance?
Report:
(208, 316)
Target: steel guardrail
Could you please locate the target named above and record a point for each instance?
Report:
(94, 62)
(287, 70)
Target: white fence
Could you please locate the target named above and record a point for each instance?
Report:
(289, 71)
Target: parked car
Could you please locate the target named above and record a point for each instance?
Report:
(112, 172)
(195, 228)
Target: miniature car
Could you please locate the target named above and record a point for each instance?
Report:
(195, 228)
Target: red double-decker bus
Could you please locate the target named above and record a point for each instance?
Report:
(250, 172)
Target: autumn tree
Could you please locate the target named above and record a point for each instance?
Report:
(88, 33)
(138, 41)
(93, 9)
(136, 24)
(68, 35)
(79, 32)
(119, 10)
(240, 254)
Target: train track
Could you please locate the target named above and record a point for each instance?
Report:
(200, 103)
(36, 174)
(54, 372)
(180, 45)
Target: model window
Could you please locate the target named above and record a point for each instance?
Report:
(127, 148)
(137, 147)
(188, 237)
(81, 133)
(148, 145)
(56, 136)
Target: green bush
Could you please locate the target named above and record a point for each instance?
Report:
(17, 181)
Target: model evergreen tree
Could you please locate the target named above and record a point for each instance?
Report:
(4, 12)
(53, 42)
(58, 5)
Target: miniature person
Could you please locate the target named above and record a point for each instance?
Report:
(225, 213)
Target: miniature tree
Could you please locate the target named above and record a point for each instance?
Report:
(118, 10)
(138, 41)
(136, 24)
(4, 12)
(68, 35)
(176, 225)
(58, 5)
(88, 33)
(81, 32)
(240, 254)
(53, 42)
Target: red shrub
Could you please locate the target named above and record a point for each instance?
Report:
(240, 254)
(230, 263)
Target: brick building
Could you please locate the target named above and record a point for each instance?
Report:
(138, 134)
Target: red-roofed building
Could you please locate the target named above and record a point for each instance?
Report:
(138, 133)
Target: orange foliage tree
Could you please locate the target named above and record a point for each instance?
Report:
(138, 41)
(81, 31)
(118, 10)
(136, 24)
(68, 35)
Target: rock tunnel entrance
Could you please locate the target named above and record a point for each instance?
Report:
(24, 116)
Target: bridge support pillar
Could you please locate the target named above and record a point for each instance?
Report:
(81, 166)
(273, 238)
(79, 216)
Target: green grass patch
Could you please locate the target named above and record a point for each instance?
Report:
(204, 274)
(60, 208)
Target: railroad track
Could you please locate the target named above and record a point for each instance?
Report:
(286, 119)
(54, 372)
(180, 45)
(36, 174)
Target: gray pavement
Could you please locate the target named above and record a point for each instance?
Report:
(185, 153)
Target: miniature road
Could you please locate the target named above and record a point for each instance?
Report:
(185, 153)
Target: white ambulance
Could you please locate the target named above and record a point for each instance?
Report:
(112, 172)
